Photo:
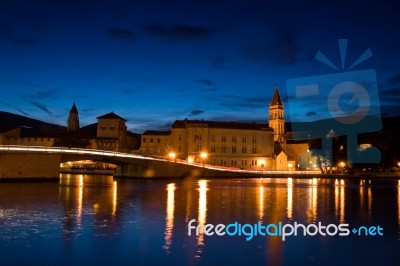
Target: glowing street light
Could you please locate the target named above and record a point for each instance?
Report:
(172, 155)
(342, 165)
(203, 156)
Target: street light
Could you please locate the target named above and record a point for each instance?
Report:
(342, 165)
(172, 155)
(203, 156)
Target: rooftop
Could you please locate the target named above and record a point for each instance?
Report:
(221, 124)
(111, 115)
(276, 100)
(157, 133)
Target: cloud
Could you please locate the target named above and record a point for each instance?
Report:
(120, 33)
(238, 102)
(310, 114)
(127, 91)
(221, 62)
(180, 31)
(206, 82)
(285, 49)
(40, 106)
(48, 94)
(394, 80)
(20, 82)
(196, 112)
(16, 108)
(23, 41)
(209, 90)
(141, 124)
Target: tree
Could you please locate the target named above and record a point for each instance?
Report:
(324, 153)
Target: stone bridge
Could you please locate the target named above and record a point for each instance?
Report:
(44, 162)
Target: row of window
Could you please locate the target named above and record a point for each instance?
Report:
(234, 162)
(277, 114)
(197, 137)
(224, 139)
(35, 139)
(233, 149)
(106, 144)
(279, 129)
(111, 127)
(151, 140)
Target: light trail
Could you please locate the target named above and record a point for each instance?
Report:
(62, 150)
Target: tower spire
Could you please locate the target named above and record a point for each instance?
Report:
(276, 116)
(73, 119)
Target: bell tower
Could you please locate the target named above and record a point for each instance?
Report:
(73, 119)
(276, 116)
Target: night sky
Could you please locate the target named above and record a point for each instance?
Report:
(153, 62)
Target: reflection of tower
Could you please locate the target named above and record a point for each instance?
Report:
(73, 119)
(276, 116)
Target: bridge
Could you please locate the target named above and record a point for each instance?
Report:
(44, 162)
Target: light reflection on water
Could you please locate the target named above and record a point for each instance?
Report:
(96, 219)
(202, 216)
(398, 207)
(169, 221)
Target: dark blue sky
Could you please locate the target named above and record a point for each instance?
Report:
(155, 61)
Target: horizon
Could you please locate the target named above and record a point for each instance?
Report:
(169, 126)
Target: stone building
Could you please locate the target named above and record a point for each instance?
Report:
(109, 133)
(233, 144)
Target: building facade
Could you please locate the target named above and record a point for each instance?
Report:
(231, 144)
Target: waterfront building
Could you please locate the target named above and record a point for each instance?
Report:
(231, 144)
(109, 133)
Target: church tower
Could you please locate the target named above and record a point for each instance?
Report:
(276, 116)
(73, 119)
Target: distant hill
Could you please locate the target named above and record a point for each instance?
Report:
(10, 121)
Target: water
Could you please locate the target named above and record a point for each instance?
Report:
(97, 220)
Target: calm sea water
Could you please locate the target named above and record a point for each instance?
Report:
(95, 220)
